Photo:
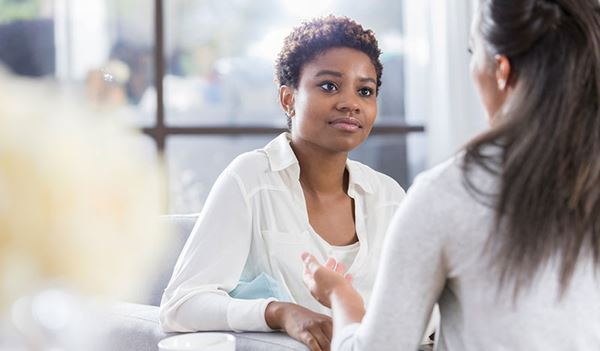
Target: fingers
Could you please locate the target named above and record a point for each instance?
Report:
(322, 339)
(328, 330)
(309, 340)
(340, 268)
(311, 266)
(335, 266)
(310, 262)
(331, 263)
(308, 274)
(317, 340)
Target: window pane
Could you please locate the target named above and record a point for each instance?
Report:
(220, 56)
(194, 163)
(100, 50)
(386, 154)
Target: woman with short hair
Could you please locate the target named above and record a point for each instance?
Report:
(239, 269)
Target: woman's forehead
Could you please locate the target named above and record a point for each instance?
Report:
(340, 59)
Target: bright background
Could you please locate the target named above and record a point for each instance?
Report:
(218, 73)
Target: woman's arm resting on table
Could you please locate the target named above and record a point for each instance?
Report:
(211, 264)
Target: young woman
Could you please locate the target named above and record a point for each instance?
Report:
(239, 269)
(505, 236)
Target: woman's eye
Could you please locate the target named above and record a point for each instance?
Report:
(365, 92)
(470, 51)
(328, 86)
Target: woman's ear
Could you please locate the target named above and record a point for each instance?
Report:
(286, 99)
(503, 71)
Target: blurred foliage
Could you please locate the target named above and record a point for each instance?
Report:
(14, 10)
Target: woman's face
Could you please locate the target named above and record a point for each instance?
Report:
(483, 73)
(335, 103)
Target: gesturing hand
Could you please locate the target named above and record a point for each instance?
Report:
(322, 280)
(310, 328)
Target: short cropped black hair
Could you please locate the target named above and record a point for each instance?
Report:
(316, 36)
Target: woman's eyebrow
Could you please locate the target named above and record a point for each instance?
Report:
(329, 73)
(367, 79)
(340, 74)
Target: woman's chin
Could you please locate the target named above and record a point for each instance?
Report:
(346, 143)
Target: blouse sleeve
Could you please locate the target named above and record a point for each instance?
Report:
(210, 265)
(411, 277)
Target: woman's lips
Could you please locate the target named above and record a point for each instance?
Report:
(347, 124)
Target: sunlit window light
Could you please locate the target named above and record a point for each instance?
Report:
(392, 43)
(268, 47)
(307, 9)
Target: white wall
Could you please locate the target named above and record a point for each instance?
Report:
(439, 92)
(82, 38)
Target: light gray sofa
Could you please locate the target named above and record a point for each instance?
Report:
(135, 327)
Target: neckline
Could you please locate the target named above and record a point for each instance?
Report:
(346, 247)
(358, 226)
(328, 244)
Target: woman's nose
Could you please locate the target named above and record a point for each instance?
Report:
(349, 103)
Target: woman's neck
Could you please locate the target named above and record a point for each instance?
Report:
(321, 172)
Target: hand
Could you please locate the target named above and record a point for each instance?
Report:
(310, 328)
(323, 281)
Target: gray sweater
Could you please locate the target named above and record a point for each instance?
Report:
(434, 253)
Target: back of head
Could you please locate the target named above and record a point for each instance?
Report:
(548, 131)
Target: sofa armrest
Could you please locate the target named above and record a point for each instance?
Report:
(135, 327)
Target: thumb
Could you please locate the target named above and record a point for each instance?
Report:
(310, 262)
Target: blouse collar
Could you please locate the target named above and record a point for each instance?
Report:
(281, 157)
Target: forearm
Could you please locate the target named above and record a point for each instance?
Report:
(209, 311)
(196, 297)
(347, 307)
(184, 316)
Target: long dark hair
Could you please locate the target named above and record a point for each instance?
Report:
(548, 201)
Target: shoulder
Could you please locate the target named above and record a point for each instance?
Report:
(249, 164)
(449, 179)
(380, 184)
(432, 205)
(441, 175)
(253, 171)
(442, 192)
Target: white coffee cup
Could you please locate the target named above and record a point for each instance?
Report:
(198, 342)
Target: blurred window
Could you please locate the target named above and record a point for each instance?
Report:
(100, 50)
(210, 95)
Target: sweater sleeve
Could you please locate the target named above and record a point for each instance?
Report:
(411, 277)
(210, 265)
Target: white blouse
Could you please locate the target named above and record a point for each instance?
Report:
(255, 222)
(344, 254)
